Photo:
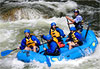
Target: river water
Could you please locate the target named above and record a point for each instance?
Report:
(36, 15)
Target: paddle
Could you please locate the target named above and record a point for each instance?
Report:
(47, 59)
(6, 52)
(90, 22)
(87, 31)
(68, 24)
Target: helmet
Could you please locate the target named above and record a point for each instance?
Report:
(27, 30)
(53, 23)
(72, 29)
(76, 10)
(48, 37)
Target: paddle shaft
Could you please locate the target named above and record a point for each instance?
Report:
(47, 59)
(14, 49)
(68, 24)
(90, 22)
(42, 42)
(87, 31)
(43, 46)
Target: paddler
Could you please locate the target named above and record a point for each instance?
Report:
(78, 21)
(75, 38)
(30, 42)
(57, 34)
(53, 48)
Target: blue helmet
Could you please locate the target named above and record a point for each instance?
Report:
(76, 11)
(48, 37)
(53, 23)
(72, 29)
(27, 30)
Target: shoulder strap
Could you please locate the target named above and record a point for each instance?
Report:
(32, 34)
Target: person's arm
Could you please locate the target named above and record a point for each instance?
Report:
(78, 35)
(34, 38)
(69, 37)
(44, 37)
(61, 32)
(23, 44)
(72, 20)
(50, 32)
(53, 46)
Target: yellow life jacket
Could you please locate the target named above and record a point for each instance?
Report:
(30, 42)
(55, 33)
(55, 39)
(74, 37)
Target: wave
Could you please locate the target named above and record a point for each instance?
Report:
(31, 10)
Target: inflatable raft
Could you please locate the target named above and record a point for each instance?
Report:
(88, 47)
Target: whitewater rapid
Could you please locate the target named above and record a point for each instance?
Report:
(11, 34)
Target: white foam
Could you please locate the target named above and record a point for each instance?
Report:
(17, 64)
(5, 34)
(30, 13)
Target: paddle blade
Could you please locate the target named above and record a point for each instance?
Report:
(4, 53)
(48, 61)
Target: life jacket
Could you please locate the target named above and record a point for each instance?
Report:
(74, 37)
(79, 24)
(58, 43)
(55, 33)
(30, 42)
